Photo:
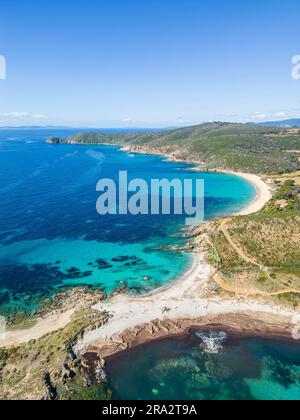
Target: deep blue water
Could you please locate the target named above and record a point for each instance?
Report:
(52, 237)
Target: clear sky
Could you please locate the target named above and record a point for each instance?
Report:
(148, 63)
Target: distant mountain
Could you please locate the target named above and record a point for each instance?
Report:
(285, 123)
(36, 127)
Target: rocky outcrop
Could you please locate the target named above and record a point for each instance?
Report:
(55, 140)
(237, 324)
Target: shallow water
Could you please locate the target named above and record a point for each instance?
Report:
(52, 237)
(186, 369)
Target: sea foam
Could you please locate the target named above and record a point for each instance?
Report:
(212, 342)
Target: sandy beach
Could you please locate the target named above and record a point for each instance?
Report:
(172, 310)
(183, 300)
(263, 192)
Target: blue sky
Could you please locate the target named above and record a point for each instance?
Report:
(148, 63)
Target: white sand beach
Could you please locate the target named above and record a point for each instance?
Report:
(263, 190)
(263, 193)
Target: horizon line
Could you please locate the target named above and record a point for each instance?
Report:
(70, 127)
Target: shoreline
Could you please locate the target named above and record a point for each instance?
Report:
(236, 326)
(263, 193)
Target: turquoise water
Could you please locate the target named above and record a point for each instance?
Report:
(51, 236)
(187, 369)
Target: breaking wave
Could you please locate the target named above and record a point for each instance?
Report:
(212, 342)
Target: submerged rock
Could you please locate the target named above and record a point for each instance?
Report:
(102, 264)
(121, 259)
(281, 373)
(217, 371)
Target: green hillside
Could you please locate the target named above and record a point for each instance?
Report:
(245, 147)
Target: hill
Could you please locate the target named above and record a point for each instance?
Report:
(221, 145)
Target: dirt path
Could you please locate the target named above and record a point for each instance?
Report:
(235, 246)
